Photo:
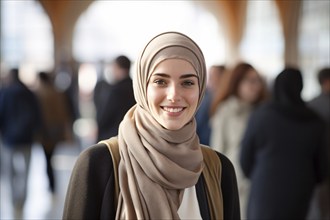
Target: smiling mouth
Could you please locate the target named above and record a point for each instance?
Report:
(173, 109)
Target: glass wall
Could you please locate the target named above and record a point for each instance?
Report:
(314, 43)
(263, 42)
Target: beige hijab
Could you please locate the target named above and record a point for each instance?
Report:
(158, 164)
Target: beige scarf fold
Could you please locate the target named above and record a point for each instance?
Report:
(158, 164)
(154, 167)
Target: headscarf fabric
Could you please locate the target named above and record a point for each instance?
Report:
(158, 164)
(288, 86)
(287, 95)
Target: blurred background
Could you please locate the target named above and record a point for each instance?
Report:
(75, 41)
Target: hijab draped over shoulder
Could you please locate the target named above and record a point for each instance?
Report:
(158, 164)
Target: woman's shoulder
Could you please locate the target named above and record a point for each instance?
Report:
(95, 151)
(232, 102)
(228, 174)
(96, 157)
(91, 185)
(225, 162)
(229, 105)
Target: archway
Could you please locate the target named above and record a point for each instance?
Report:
(26, 38)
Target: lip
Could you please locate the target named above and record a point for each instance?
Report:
(173, 111)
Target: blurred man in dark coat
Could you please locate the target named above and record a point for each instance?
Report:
(320, 207)
(19, 122)
(114, 100)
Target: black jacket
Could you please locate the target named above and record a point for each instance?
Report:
(19, 115)
(91, 190)
(284, 157)
(112, 102)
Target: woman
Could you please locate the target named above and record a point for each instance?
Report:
(242, 90)
(283, 153)
(162, 174)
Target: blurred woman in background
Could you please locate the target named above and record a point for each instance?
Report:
(241, 91)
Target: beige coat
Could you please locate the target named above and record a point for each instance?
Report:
(228, 125)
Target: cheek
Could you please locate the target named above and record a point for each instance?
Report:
(242, 89)
(255, 89)
(250, 92)
(192, 98)
(153, 96)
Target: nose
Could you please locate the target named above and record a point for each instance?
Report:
(173, 94)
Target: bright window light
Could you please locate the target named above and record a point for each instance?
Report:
(314, 43)
(26, 35)
(263, 42)
(110, 28)
(87, 78)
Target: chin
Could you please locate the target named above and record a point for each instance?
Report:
(172, 126)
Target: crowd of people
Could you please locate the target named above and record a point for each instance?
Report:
(278, 144)
(26, 117)
(283, 152)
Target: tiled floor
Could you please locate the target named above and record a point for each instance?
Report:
(40, 203)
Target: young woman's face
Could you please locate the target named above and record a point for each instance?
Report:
(250, 87)
(173, 93)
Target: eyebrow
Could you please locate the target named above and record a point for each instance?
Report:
(181, 77)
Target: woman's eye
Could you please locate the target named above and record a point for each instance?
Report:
(188, 83)
(160, 82)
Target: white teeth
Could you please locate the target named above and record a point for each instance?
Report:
(173, 109)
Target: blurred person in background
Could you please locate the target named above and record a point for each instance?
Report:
(320, 207)
(321, 103)
(56, 121)
(19, 123)
(112, 102)
(241, 91)
(66, 80)
(203, 113)
(283, 152)
(102, 88)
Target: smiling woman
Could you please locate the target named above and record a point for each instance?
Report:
(156, 168)
(173, 93)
